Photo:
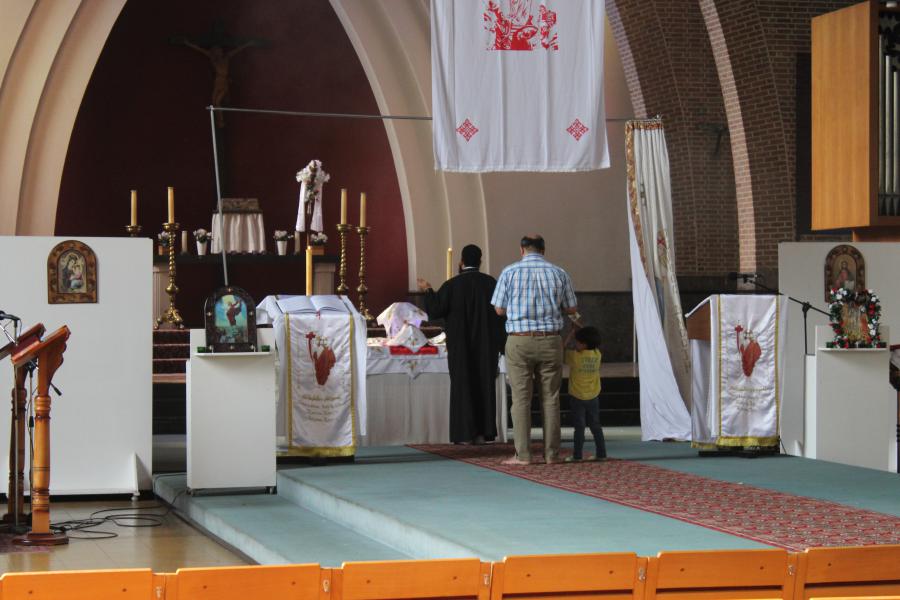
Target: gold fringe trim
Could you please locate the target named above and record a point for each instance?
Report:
(332, 451)
(748, 441)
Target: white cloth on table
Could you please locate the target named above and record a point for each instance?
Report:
(321, 347)
(538, 69)
(242, 232)
(398, 314)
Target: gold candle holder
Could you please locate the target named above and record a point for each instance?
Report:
(362, 289)
(133, 230)
(342, 287)
(171, 318)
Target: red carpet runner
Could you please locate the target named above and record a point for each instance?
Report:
(766, 516)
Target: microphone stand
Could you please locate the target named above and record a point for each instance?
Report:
(804, 305)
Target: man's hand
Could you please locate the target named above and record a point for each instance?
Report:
(500, 311)
(423, 285)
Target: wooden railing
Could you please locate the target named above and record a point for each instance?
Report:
(859, 572)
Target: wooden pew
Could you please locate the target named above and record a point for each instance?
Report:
(383, 580)
(850, 572)
(611, 576)
(721, 574)
(242, 583)
(124, 584)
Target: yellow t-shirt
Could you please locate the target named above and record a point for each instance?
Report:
(584, 373)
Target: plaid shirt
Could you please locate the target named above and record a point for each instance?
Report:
(533, 291)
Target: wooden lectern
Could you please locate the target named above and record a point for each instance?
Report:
(46, 355)
(15, 498)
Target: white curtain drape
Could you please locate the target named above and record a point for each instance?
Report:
(664, 362)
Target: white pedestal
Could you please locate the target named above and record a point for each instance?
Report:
(231, 417)
(851, 408)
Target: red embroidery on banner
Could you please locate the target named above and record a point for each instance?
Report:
(467, 130)
(322, 356)
(512, 25)
(750, 352)
(577, 129)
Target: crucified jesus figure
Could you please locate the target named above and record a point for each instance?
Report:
(219, 49)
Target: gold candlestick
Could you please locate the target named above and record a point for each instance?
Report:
(362, 289)
(171, 319)
(342, 287)
(133, 230)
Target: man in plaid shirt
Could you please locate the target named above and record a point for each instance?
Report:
(534, 295)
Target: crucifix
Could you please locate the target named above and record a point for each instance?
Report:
(219, 47)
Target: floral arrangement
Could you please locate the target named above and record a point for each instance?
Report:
(313, 175)
(282, 236)
(164, 239)
(318, 239)
(202, 235)
(864, 333)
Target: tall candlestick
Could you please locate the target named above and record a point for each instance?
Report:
(133, 208)
(449, 263)
(171, 317)
(362, 210)
(309, 271)
(171, 205)
(343, 206)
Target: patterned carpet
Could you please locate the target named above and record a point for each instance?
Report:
(766, 516)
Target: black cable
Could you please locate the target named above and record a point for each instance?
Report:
(128, 519)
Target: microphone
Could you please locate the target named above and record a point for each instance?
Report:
(9, 317)
(733, 276)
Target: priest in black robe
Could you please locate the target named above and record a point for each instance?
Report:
(475, 338)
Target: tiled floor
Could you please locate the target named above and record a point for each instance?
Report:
(163, 549)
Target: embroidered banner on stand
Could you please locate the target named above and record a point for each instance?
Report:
(517, 85)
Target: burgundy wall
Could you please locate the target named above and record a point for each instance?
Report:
(143, 125)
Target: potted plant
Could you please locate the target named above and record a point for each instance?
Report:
(281, 240)
(202, 237)
(317, 242)
(164, 241)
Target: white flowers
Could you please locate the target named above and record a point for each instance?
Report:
(282, 236)
(164, 238)
(318, 239)
(202, 235)
(313, 175)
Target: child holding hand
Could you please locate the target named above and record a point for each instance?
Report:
(584, 389)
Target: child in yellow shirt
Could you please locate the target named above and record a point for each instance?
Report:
(584, 389)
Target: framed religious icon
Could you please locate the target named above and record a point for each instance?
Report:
(71, 274)
(230, 316)
(844, 269)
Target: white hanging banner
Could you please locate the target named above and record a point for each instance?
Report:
(662, 338)
(517, 85)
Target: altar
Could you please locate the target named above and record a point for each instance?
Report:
(409, 398)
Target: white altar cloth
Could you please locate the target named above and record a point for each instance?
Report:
(243, 232)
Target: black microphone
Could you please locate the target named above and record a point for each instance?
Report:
(734, 276)
(4, 315)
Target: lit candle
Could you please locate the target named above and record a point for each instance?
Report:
(309, 271)
(133, 208)
(362, 210)
(343, 206)
(171, 205)
(449, 263)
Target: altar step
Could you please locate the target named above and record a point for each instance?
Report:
(171, 350)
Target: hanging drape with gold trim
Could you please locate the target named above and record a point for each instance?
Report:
(664, 362)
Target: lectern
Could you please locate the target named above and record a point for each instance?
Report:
(737, 369)
(45, 355)
(15, 498)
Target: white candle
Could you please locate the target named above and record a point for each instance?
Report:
(171, 205)
(184, 242)
(133, 208)
(449, 263)
(343, 206)
(362, 210)
(309, 271)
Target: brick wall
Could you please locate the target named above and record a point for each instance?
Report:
(705, 65)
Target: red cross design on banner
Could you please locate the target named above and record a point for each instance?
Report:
(467, 130)
(577, 129)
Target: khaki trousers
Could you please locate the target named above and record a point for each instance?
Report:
(530, 359)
